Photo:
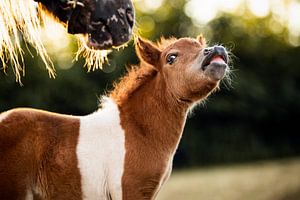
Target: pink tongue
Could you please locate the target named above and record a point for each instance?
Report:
(217, 59)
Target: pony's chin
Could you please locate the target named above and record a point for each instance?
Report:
(216, 70)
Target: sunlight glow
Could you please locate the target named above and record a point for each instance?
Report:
(259, 8)
(148, 5)
(53, 32)
(202, 14)
(57, 42)
(294, 23)
(279, 11)
(294, 18)
(284, 13)
(203, 11)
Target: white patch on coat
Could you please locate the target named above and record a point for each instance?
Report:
(101, 152)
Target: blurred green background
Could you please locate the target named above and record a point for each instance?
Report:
(253, 118)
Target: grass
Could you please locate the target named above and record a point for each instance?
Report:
(270, 180)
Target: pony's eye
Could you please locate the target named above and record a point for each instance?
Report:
(171, 58)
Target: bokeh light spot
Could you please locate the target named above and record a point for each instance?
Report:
(146, 25)
(259, 8)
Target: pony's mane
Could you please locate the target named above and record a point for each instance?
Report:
(164, 43)
(135, 78)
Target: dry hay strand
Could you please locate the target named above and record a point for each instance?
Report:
(20, 19)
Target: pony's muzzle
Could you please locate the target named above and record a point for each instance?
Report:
(215, 62)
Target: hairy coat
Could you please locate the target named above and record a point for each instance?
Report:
(126, 148)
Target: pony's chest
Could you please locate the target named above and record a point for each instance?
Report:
(100, 152)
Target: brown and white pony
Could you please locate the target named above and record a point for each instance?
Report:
(101, 24)
(124, 150)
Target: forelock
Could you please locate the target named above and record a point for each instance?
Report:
(164, 43)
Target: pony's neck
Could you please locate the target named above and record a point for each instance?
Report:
(151, 112)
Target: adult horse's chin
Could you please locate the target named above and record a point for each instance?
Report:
(105, 23)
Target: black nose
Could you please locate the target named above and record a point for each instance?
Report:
(219, 50)
(216, 50)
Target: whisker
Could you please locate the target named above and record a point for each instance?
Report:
(94, 59)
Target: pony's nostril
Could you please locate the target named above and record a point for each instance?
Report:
(130, 16)
(206, 51)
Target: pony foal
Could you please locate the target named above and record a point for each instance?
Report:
(125, 149)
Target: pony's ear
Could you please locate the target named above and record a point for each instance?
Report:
(148, 52)
(201, 40)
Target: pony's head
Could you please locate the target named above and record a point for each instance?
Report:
(190, 69)
(104, 23)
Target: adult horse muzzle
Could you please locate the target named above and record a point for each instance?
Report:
(106, 23)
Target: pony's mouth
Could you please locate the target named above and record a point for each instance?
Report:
(215, 54)
(215, 62)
